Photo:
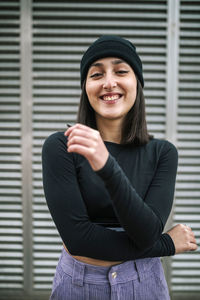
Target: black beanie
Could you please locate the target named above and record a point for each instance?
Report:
(112, 46)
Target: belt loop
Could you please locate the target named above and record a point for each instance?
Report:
(139, 270)
(78, 273)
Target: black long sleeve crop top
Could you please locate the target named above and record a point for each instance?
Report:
(134, 190)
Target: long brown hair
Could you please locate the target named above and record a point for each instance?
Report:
(134, 127)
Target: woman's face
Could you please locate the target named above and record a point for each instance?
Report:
(111, 87)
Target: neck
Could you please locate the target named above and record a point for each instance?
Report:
(110, 130)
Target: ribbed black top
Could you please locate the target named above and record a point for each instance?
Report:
(133, 191)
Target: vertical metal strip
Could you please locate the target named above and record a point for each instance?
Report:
(26, 139)
(172, 70)
(172, 96)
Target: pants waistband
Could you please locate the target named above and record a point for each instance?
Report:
(124, 272)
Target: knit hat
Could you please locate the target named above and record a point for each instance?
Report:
(112, 46)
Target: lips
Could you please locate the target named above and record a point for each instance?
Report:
(110, 97)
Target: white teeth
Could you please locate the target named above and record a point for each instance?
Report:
(109, 98)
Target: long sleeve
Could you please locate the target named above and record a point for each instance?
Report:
(69, 212)
(143, 219)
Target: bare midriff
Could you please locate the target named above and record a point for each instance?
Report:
(93, 261)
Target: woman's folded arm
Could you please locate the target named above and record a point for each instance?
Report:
(143, 219)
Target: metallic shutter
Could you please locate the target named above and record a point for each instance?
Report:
(11, 225)
(186, 267)
(62, 31)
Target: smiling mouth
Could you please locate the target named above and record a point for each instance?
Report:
(111, 97)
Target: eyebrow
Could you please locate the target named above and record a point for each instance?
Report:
(114, 62)
(118, 61)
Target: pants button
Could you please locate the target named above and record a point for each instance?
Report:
(114, 275)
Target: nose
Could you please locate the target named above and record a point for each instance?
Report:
(109, 82)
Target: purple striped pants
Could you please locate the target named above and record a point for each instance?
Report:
(140, 279)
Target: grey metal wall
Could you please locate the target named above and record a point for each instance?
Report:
(41, 44)
(186, 267)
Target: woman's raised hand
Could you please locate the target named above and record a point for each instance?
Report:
(87, 142)
(183, 238)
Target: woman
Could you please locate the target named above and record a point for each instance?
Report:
(109, 186)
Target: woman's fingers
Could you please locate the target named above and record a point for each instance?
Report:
(183, 238)
(79, 138)
(81, 127)
(87, 142)
(81, 149)
(92, 135)
(82, 134)
(193, 240)
(193, 246)
(192, 237)
(76, 141)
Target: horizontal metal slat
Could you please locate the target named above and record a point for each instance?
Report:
(190, 16)
(187, 193)
(8, 12)
(86, 41)
(11, 286)
(186, 218)
(95, 32)
(184, 281)
(43, 247)
(192, 273)
(159, 5)
(58, 50)
(184, 288)
(9, 199)
(185, 264)
(94, 14)
(188, 128)
(42, 24)
(11, 239)
(47, 239)
(46, 255)
(189, 111)
(12, 208)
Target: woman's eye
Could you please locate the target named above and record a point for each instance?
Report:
(96, 75)
(122, 72)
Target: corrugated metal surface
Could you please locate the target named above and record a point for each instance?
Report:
(62, 31)
(186, 267)
(11, 241)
